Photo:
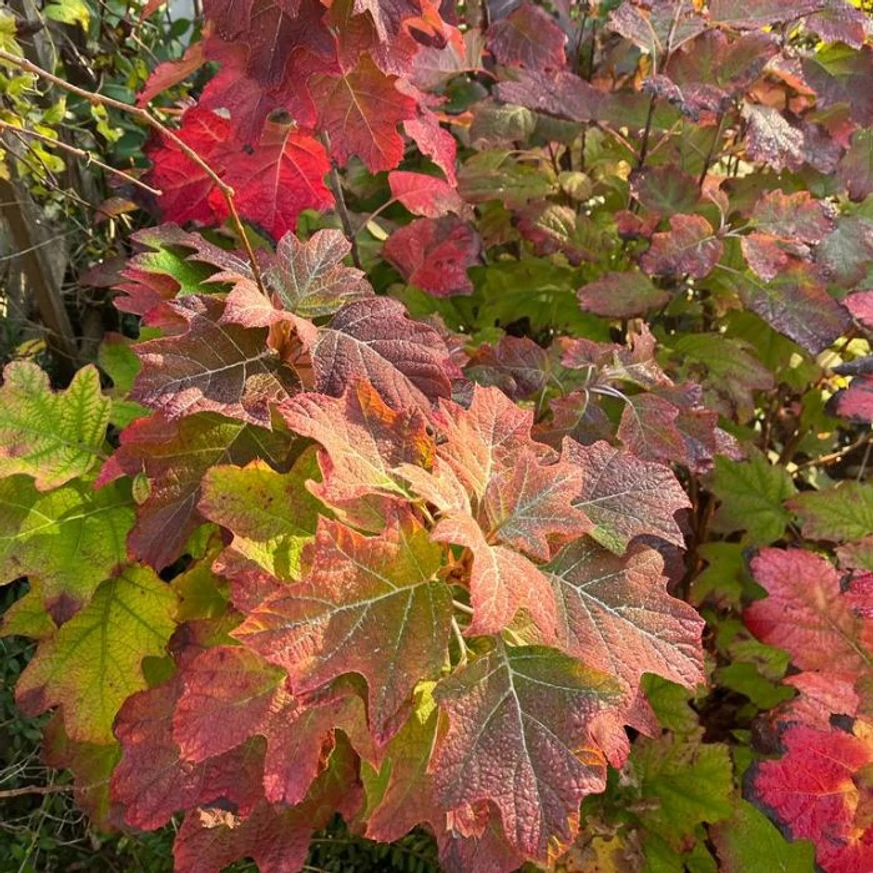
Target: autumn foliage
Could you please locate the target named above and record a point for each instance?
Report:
(557, 324)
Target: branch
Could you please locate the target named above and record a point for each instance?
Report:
(81, 153)
(337, 191)
(137, 112)
(833, 457)
(34, 789)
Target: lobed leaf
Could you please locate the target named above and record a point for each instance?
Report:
(54, 437)
(212, 367)
(370, 606)
(540, 755)
(93, 663)
(310, 277)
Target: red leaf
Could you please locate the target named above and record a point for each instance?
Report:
(227, 692)
(793, 217)
(488, 436)
(665, 190)
(516, 365)
(171, 263)
(282, 177)
(563, 94)
(370, 605)
(212, 367)
(661, 29)
(502, 581)
(529, 505)
(616, 615)
(274, 182)
(839, 22)
(276, 837)
(310, 277)
(844, 79)
(760, 13)
(187, 189)
(805, 612)
(797, 304)
(542, 711)
(364, 442)
(174, 456)
(230, 695)
(528, 37)
(435, 255)
(627, 497)
(771, 139)
(822, 695)
(856, 401)
(860, 304)
(690, 246)
(360, 111)
(856, 166)
(406, 361)
(425, 195)
(152, 782)
(621, 295)
(406, 757)
(170, 73)
(649, 429)
(435, 142)
(812, 790)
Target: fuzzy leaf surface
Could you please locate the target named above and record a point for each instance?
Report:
(434, 254)
(52, 436)
(174, 456)
(360, 110)
(93, 663)
(363, 441)
(806, 613)
(539, 756)
(616, 616)
(310, 277)
(406, 361)
(626, 497)
(212, 367)
(67, 541)
(153, 782)
(813, 791)
(271, 514)
(369, 606)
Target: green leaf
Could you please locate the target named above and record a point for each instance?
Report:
(118, 360)
(494, 175)
(670, 702)
(94, 663)
(69, 12)
(684, 782)
(723, 579)
(836, 514)
(748, 841)
(68, 540)
(53, 437)
(272, 515)
(752, 494)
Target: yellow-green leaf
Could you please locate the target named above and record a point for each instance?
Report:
(52, 436)
(94, 662)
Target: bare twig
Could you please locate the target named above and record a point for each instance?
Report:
(81, 153)
(833, 457)
(35, 789)
(336, 188)
(137, 112)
